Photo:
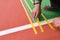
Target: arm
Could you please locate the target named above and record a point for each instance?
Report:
(37, 1)
(37, 9)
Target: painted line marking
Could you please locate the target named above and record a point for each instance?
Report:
(46, 20)
(21, 28)
(29, 12)
(50, 25)
(31, 1)
(39, 25)
(35, 31)
(37, 20)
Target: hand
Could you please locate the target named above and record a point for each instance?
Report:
(36, 11)
(56, 22)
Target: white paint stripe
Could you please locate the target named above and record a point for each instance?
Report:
(12, 30)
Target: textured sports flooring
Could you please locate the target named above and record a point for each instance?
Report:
(16, 22)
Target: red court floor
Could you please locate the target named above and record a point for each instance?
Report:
(29, 35)
(13, 15)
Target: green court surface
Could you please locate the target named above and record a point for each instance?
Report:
(48, 14)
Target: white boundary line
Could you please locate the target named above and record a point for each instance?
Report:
(20, 28)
